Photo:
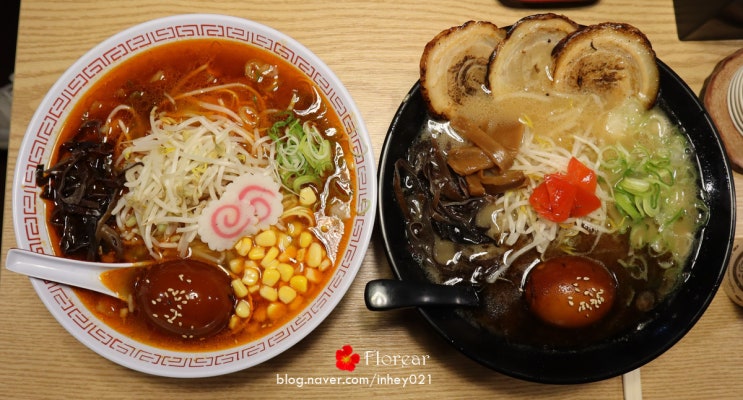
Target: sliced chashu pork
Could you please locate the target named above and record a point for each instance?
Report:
(523, 61)
(453, 66)
(613, 60)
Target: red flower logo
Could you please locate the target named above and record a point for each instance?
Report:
(346, 359)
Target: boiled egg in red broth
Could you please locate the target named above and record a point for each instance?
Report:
(186, 297)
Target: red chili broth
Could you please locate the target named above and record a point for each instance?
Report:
(227, 61)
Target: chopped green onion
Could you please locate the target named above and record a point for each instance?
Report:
(625, 203)
(651, 203)
(634, 186)
(650, 192)
(303, 155)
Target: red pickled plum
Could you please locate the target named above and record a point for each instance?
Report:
(186, 298)
(570, 291)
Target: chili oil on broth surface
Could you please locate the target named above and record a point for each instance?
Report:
(147, 80)
(558, 127)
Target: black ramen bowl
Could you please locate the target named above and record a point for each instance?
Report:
(617, 355)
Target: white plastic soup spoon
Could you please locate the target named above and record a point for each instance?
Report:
(81, 274)
(200, 292)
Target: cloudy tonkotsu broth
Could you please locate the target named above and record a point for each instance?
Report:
(503, 184)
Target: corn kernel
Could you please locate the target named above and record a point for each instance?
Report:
(237, 265)
(300, 255)
(239, 288)
(296, 304)
(270, 256)
(325, 264)
(298, 283)
(259, 314)
(270, 277)
(313, 275)
(287, 294)
(294, 228)
(314, 255)
(307, 196)
(243, 246)
(254, 288)
(250, 276)
(275, 311)
(289, 253)
(257, 253)
(286, 271)
(305, 238)
(269, 293)
(284, 240)
(234, 320)
(266, 238)
(242, 309)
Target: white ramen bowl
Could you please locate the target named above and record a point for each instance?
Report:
(37, 148)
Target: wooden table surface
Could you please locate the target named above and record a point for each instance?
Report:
(374, 47)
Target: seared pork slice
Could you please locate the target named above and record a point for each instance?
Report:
(614, 60)
(523, 61)
(454, 65)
